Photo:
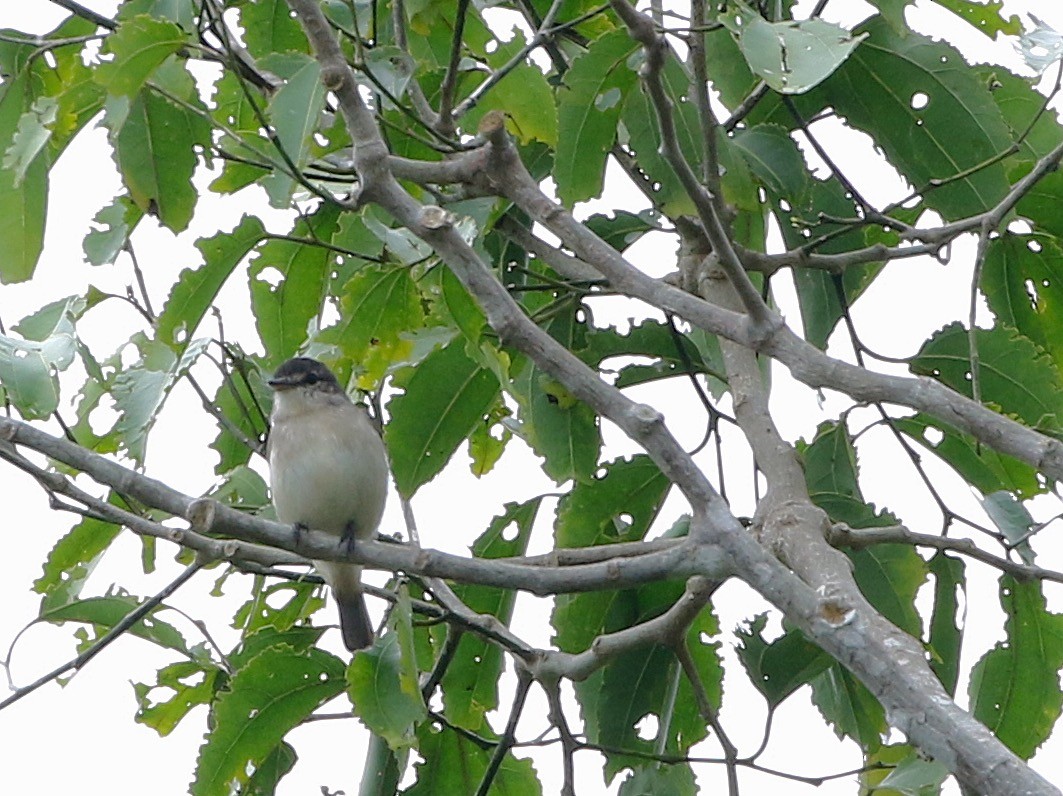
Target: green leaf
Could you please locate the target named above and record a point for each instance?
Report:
(817, 290)
(451, 763)
(946, 622)
(272, 694)
(623, 228)
(447, 395)
(1014, 688)
(154, 143)
(589, 105)
(791, 57)
(196, 288)
(276, 765)
(379, 305)
(240, 399)
(288, 282)
(141, 390)
(926, 91)
(181, 687)
(281, 609)
(635, 685)
(559, 427)
(984, 16)
(644, 140)
(653, 780)
(774, 158)
(382, 683)
(293, 110)
(73, 558)
(1034, 132)
(893, 12)
(780, 667)
(618, 506)
(978, 464)
(1014, 374)
(671, 353)
(890, 575)
(114, 224)
(523, 95)
(269, 28)
(23, 195)
(1013, 520)
(106, 612)
(29, 368)
(849, 707)
(470, 683)
(914, 776)
(647, 684)
(1022, 279)
(30, 138)
(139, 47)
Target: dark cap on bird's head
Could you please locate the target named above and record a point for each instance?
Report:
(302, 372)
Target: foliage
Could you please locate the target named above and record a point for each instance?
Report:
(234, 91)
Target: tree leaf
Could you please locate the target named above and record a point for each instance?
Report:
(470, 683)
(588, 110)
(114, 224)
(288, 281)
(29, 368)
(141, 390)
(559, 427)
(789, 56)
(269, 28)
(780, 667)
(1022, 280)
(154, 143)
(269, 696)
(380, 305)
(293, 111)
(445, 398)
(186, 685)
(23, 195)
(1014, 688)
(979, 465)
(1013, 520)
(774, 158)
(984, 17)
(849, 707)
(451, 763)
(73, 558)
(106, 612)
(196, 288)
(932, 92)
(948, 619)
(382, 683)
(1014, 373)
(139, 47)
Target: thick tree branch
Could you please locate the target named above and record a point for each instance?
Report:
(208, 519)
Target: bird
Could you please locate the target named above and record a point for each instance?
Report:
(328, 472)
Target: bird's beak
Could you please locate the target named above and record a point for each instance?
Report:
(280, 384)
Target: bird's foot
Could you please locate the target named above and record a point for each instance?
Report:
(297, 531)
(347, 539)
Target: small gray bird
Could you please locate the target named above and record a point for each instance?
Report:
(328, 471)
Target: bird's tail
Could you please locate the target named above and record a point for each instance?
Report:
(354, 621)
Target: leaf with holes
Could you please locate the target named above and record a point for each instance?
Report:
(1014, 373)
(266, 698)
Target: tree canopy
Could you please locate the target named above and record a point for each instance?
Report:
(565, 227)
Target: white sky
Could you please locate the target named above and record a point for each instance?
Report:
(82, 737)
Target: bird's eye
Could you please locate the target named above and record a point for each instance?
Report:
(311, 378)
